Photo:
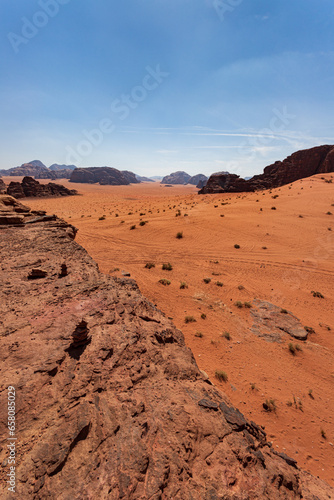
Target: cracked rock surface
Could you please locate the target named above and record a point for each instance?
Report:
(110, 401)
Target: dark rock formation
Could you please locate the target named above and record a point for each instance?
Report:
(111, 403)
(196, 179)
(29, 187)
(221, 183)
(3, 186)
(102, 175)
(176, 178)
(305, 163)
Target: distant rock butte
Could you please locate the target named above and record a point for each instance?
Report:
(198, 179)
(29, 187)
(103, 176)
(179, 177)
(111, 401)
(305, 163)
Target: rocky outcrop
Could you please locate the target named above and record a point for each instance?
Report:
(305, 163)
(274, 323)
(29, 187)
(111, 403)
(102, 175)
(198, 179)
(3, 186)
(179, 177)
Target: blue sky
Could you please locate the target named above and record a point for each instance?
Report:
(155, 86)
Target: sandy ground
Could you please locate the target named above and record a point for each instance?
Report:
(284, 254)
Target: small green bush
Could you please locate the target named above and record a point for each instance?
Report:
(149, 265)
(167, 266)
(179, 235)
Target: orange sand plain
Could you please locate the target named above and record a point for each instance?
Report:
(298, 257)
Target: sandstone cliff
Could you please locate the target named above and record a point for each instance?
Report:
(305, 163)
(110, 401)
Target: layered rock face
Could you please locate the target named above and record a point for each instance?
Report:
(103, 176)
(179, 177)
(110, 401)
(305, 163)
(29, 187)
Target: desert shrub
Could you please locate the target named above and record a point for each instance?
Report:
(149, 265)
(273, 208)
(206, 280)
(167, 266)
(241, 287)
(179, 235)
(236, 245)
(317, 294)
(165, 282)
(284, 311)
(238, 304)
(269, 405)
(226, 335)
(189, 319)
(275, 196)
(323, 434)
(329, 213)
(199, 334)
(221, 375)
(219, 283)
(203, 316)
(248, 305)
(142, 223)
(183, 285)
(102, 217)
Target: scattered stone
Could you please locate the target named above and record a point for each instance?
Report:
(36, 274)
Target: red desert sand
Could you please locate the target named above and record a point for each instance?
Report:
(274, 246)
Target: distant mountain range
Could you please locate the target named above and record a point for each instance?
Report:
(101, 175)
(38, 170)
